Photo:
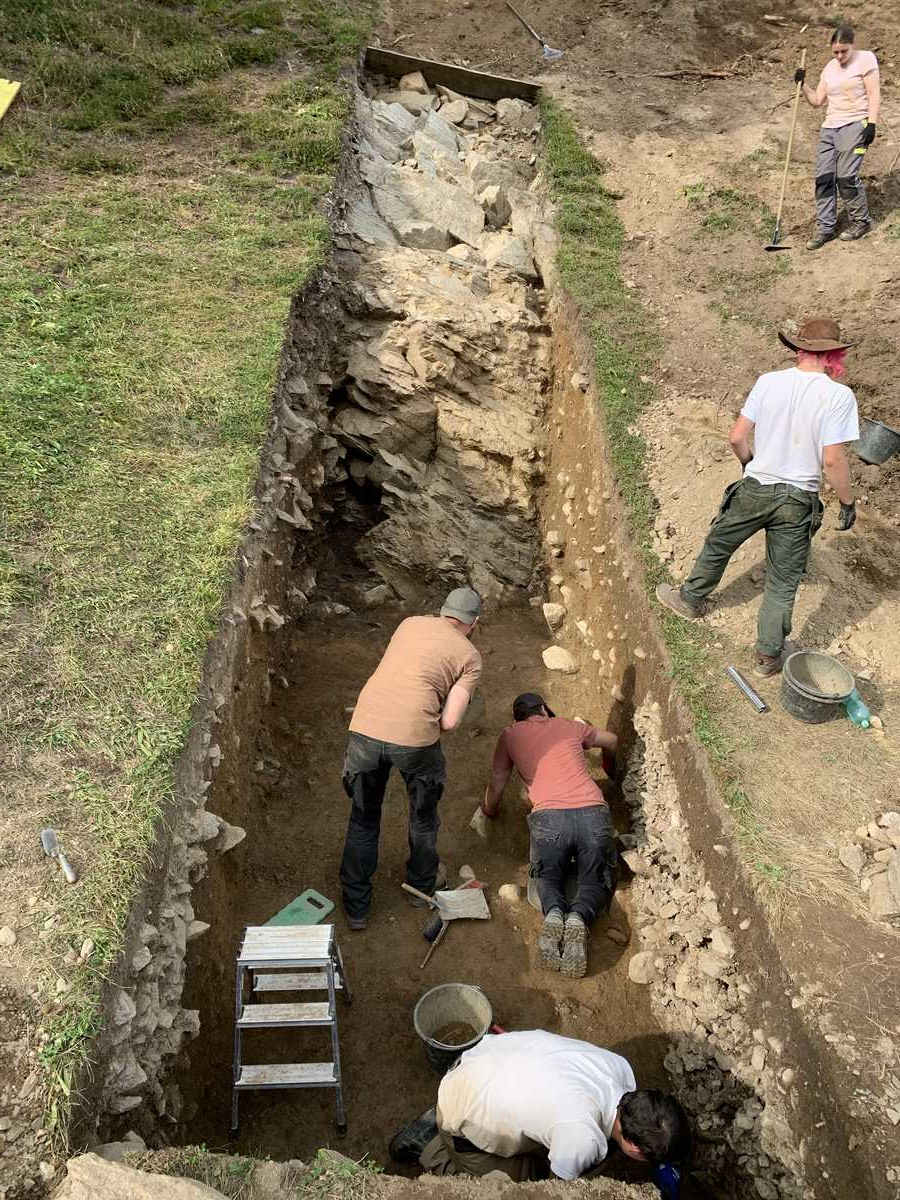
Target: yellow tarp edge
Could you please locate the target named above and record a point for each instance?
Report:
(8, 90)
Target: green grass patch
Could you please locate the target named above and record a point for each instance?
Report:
(725, 210)
(159, 207)
(624, 342)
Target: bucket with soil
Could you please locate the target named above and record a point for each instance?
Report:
(814, 686)
(451, 1018)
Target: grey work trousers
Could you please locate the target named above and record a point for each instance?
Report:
(839, 161)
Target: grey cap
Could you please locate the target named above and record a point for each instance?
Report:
(464, 604)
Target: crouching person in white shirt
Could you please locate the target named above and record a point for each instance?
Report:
(533, 1104)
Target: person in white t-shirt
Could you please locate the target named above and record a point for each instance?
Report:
(849, 85)
(534, 1103)
(799, 420)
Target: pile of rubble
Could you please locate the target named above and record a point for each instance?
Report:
(872, 855)
(735, 1080)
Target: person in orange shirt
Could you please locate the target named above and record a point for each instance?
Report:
(849, 85)
(569, 819)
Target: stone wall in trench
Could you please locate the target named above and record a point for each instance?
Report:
(414, 369)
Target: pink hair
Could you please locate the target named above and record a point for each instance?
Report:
(831, 360)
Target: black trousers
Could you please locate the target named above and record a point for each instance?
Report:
(367, 766)
(559, 835)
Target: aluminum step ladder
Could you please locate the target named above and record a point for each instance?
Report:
(288, 958)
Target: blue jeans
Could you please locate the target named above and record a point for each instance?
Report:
(367, 766)
(559, 835)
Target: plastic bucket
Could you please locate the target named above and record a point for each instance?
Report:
(877, 442)
(446, 1005)
(814, 686)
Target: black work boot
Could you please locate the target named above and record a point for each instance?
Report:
(408, 1144)
(820, 238)
(855, 232)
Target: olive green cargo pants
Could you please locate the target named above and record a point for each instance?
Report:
(790, 517)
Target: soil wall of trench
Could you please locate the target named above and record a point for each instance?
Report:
(435, 416)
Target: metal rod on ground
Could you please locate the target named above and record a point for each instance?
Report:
(752, 695)
(776, 243)
(445, 925)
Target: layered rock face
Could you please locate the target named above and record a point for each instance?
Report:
(441, 406)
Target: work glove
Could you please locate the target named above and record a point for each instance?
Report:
(848, 515)
(800, 75)
(868, 134)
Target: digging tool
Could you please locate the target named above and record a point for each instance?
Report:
(433, 928)
(776, 243)
(445, 925)
(549, 53)
(452, 906)
(50, 843)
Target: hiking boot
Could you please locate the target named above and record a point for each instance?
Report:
(767, 665)
(819, 239)
(855, 232)
(440, 882)
(550, 939)
(673, 600)
(408, 1144)
(574, 952)
(357, 922)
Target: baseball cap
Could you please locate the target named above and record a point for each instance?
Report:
(464, 604)
(529, 704)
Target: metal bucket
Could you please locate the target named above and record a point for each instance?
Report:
(877, 442)
(814, 686)
(448, 1004)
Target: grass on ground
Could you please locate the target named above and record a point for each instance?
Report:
(160, 179)
(624, 342)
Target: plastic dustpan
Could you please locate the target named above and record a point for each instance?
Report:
(309, 908)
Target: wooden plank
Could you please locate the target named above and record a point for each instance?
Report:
(285, 1015)
(287, 1075)
(8, 90)
(460, 79)
(310, 981)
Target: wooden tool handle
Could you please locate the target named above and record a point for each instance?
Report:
(790, 146)
(415, 892)
(445, 925)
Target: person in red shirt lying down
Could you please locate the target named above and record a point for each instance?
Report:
(569, 819)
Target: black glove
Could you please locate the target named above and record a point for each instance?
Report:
(800, 75)
(848, 515)
(868, 134)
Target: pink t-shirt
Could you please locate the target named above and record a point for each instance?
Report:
(847, 99)
(548, 753)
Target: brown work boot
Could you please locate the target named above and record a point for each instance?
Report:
(550, 940)
(767, 664)
(671, 597)
(855, 232)
(819, 239)
(574, 951)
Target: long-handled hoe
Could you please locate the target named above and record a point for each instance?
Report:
(776, 242)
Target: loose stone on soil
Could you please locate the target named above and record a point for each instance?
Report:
(7, 936)
(557, 658)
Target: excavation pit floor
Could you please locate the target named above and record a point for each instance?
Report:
(296, 819)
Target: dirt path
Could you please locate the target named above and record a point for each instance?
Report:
(303, 816)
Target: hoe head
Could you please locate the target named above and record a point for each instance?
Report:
(776, 242)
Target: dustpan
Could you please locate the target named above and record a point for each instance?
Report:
(468, 903)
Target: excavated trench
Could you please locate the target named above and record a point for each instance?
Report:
(434, 426)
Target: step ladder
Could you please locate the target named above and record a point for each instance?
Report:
(288, 958)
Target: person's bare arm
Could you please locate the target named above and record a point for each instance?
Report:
(872, 83)
(817, 96)
(501, 769)
(739, 440)
(454, 707)
(837, 471)
(601, 739)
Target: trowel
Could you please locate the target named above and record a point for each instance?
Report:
(50, 843)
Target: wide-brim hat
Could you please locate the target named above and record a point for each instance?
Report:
(816, 336)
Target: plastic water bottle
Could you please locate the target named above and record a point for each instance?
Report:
(667, 1178)
(856, 710)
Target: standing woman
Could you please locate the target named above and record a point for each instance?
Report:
(849, 84)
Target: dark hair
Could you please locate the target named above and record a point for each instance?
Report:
(843, 34)
(657, 1124)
